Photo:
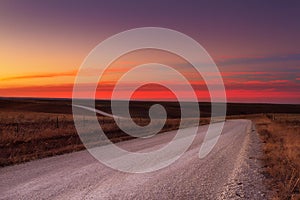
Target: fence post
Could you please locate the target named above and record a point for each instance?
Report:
(57, 122)
(17, 128)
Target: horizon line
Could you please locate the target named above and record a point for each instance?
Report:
(140, 100)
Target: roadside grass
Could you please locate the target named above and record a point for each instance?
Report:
(280, 134)
(26, 136)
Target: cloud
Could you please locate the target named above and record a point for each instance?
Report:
(256, 60)
(254, 91)
(33, 76)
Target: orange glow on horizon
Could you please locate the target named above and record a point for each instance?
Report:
(56, 83)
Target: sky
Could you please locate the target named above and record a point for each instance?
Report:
(255, 45)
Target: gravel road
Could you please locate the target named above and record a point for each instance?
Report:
(230, 171)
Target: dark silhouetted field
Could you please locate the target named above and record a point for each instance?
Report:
(37, 128)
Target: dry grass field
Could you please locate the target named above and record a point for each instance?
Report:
(280, 134)
(31, 135)
(36, 128)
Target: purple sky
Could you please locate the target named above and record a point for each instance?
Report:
(255, 43)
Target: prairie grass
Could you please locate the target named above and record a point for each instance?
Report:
(26, 136)
(280, 134)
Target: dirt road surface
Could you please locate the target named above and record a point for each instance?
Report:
(230, 171)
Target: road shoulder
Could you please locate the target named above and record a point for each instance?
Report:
(247, 180)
